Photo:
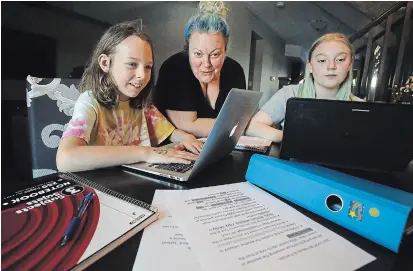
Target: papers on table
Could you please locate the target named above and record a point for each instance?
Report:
(239, 227)
(163, 245)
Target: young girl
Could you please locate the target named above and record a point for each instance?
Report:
(328, 76)
(113, 123)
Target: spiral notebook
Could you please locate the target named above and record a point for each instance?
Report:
(250, 143)
(35, 219)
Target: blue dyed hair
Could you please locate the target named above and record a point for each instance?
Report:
(206, 22)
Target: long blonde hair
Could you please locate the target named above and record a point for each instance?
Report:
(307, 89)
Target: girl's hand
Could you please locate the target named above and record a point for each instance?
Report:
(167, 156)
(191, 144)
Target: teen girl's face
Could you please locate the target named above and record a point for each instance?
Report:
(206, 55)
(131, 66)
(330, 64)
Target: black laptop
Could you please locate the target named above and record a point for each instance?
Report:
(358, 135)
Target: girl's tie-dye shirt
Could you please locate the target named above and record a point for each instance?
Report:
(120, 126)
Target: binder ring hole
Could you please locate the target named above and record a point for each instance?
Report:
(334, 203)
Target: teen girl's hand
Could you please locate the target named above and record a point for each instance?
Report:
(167, 156)
(190, 143)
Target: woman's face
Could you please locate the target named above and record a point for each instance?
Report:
(206, 55)
(330, 63)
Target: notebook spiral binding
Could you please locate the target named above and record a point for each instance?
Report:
(108, 191)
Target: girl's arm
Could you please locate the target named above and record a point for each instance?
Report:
(260, 126)
(75, 155)
(272, 112)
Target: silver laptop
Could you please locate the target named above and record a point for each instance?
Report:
(231, 122)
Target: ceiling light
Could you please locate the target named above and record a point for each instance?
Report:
(318, 24)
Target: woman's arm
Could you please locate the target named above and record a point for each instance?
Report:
(188, 122)
(187, 141)
(75, 155)
(260, 126)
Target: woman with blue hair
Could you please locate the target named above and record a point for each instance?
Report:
(193, 84)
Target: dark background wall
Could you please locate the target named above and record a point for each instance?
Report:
(42, 42)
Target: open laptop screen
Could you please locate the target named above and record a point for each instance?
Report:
(370, 136)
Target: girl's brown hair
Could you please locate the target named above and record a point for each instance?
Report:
(101, 84)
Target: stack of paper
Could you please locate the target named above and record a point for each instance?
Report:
(239, 227)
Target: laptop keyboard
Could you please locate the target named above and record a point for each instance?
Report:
(176, 167)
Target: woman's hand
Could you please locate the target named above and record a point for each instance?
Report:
(190, 143)
(167, 156)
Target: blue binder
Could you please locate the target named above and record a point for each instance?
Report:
(375, 211)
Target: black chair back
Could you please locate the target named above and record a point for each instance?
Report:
(50, 103)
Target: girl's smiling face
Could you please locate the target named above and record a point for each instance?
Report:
(130, 66)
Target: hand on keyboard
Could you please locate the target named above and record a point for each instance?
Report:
(167, 156)
(191, 144)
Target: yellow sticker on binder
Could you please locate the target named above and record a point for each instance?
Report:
(374, 212)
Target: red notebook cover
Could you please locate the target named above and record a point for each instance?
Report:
(35, 219)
